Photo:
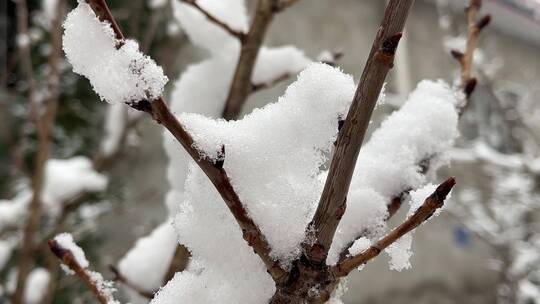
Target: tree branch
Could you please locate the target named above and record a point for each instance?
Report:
(468, 83)
(67, 258)
(160, 112)
(421, 215)
(333, 200)
(235, 33)
(44, 125)
(466, 59)
(241, 82)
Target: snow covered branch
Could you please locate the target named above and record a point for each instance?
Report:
(235, 33)
(213, 169)
(73, 258)
(420, 216)
(333, 203)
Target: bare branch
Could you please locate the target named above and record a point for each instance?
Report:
(120, 278)
(241, 83)
(333, 200)
(67, 258)
(44, 125)
(160, 112)
(421, 215)
(466, 59)
(235, 33)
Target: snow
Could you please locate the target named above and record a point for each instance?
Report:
(115, 123)
(388, 163)
(274, 168)
(359, 246)
(65, 178)
(105, 287)
(65, 240)
(11, 211)
(156, 4)
(144, 265)
(208, 35)
(6, 247)
(275, 62)
(36, 285)
(400, 252)
(118, 75)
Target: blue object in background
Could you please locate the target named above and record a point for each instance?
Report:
(462, 236)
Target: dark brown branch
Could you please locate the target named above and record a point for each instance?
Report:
(118, 277)
(160, 112)
(235, 33)
(333, 200)
(421, 215)
(67, 258)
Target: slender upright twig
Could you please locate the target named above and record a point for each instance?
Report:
(333, 200)
(241, 82)
(44, 124)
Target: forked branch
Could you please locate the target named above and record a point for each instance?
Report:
(333, 200)
(160, 112)
(421, 215)
(235, 33)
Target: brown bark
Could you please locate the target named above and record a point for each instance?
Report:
(241, 82)
(333, 200)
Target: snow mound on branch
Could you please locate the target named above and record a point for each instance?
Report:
(146, 264)
(36, 285)
(273, 158)
(65, 178)
(273, 63)
(65, 240)
(117, 75)
(421, 131)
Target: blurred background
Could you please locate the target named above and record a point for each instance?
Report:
(485, 249)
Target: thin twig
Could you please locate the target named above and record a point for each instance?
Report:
(421, 215)
(160, 112)
(67, 258)
(44, 124)
(235, 33)
(241, 82)
(333, 200)
(466, 59)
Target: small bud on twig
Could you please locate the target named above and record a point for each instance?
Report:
(482, 23)
(458, 55)
(470, 86)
